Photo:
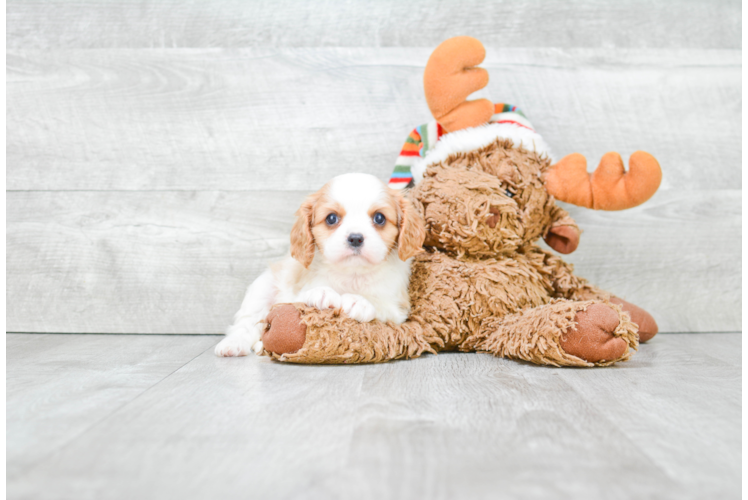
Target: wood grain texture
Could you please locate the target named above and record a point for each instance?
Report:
(372, 23)
(139, 262)
(297, 23)
(290, 119)
(58, 387)
(156, 150)
(744, 243)
(179, 262)
(664, 425)
(708, 362)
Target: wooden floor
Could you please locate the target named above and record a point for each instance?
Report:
(156, 416)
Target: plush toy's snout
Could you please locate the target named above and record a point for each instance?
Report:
(494, 218)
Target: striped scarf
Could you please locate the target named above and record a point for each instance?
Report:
(422, 139)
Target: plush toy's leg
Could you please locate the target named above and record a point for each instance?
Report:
(562, 333)
(569, 286)
(300, 334)
(647, 325)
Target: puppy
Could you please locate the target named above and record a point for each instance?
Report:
(351, 248)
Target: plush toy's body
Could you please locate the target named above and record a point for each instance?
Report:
(482, 283)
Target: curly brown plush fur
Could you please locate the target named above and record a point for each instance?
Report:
(482, 284)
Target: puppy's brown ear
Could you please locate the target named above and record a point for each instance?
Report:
(302, 239)
(412, 230)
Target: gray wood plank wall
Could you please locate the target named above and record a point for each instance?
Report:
(156, 151)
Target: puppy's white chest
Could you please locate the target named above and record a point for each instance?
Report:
(353, 284)
(367, 283)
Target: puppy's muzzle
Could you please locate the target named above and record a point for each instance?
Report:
(356, 240)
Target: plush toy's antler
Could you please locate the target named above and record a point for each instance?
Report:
(450, 77)
(610, 187)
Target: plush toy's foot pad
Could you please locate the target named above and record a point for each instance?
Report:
(645, 321)
(286, 333)
(593, 339)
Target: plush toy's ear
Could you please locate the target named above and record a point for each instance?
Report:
(563, 239)
(302, 239)
(412, 230)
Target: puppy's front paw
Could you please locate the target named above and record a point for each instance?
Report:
(232, 346)
(322, 297)
(358, 308)
(238, 342)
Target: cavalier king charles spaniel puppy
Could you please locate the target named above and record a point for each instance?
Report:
(351, 248)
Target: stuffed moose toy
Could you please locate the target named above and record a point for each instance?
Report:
(483, 181)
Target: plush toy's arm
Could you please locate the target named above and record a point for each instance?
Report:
(561, 217)
(302, 334)
(563, 233)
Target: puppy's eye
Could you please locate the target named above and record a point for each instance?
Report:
(379, 219)
(509, 193)
(332, 219)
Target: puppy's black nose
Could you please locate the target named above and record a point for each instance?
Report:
(355, 240)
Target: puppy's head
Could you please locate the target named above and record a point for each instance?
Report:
(355, 220)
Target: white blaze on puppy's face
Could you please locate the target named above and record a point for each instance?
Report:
(355, 220)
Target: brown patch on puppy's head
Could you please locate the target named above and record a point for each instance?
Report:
(412, 231)
(302, 239)
(403, 226)
(324, 208)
